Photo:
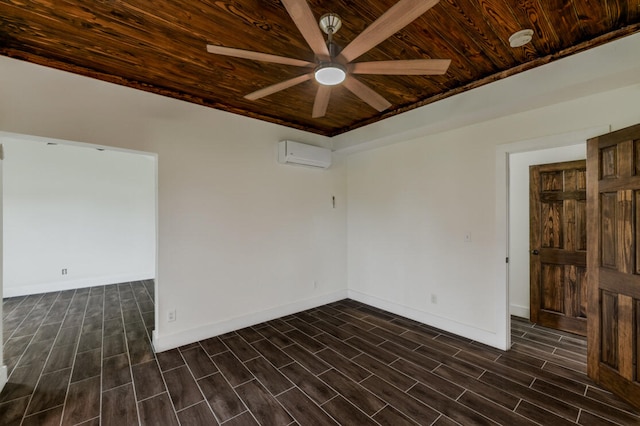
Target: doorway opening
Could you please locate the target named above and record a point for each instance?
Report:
(512, 209)
(519, 218)
(75, 215)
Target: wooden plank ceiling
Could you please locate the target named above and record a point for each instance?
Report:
(160, 46)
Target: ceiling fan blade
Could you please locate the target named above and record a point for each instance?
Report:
(278, 87)
(302, 16)
(322, 101)
(402, 67)
(367, 94)
(256, 56)
(392, 21)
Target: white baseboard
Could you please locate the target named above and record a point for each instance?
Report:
(464, 330)
(3, 376)
(163, 343)
(520, 311)
(48, 287)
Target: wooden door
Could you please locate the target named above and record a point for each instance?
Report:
(614, 262)
(558, 244)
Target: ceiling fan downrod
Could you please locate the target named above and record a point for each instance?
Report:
(330, 73)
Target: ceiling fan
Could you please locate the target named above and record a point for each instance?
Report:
(332, 66)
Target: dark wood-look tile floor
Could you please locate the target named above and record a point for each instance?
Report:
(85, 357)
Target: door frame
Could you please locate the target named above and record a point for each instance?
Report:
(503, 318)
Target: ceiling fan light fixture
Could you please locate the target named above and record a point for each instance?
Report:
(330, 74)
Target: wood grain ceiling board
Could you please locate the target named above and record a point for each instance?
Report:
(160, 46)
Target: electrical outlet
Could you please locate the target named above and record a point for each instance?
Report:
(64, 271)
(171, 315)
(467, 237)
(315, 284)
(434, 299)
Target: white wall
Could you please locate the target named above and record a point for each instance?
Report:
(411, 203)
(90, 212)
(241, 238)
(519, 217)
(3, 368)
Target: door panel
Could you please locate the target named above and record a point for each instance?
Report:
(609, 329)
(581, 304)
(558, 241)
(552, 288)
(576, 292)
(552, 225)
(613, 225)
(608, 209)
(581, 225)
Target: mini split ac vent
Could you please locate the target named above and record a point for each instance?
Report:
(290, 152)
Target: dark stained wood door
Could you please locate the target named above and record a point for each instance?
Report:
(558, 244)
(614, 262)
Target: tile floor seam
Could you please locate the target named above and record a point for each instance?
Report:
(24, 319)
(354, 405)
(104, 301)
(42, 411)
(256, 378)
(231, 418)
(312, 401)
(233, 388)
(32, 340)
(197, 381)
(515, 409)
(126, 344)
(21, 356)
(70, 373)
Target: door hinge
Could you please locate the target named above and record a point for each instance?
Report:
(506, 260)
(1, 152)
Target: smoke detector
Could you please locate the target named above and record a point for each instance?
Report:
(520, 38)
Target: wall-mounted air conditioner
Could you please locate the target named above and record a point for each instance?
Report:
(291, 152)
